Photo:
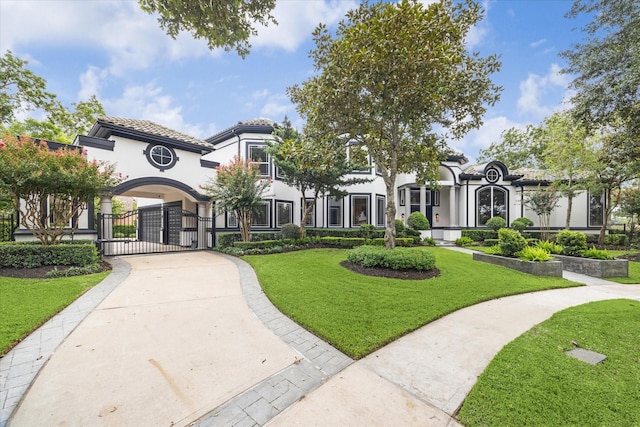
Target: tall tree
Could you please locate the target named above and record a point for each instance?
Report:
(543, 201)
(239, 188)
(78, 120)
(20, 89)
(630, 206)
(569, 156)
(518, 148)
(393, 76)
(50, 187)
(607, 66)
(313, 164)
(226, 24)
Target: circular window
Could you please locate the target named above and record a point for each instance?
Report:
(161, 157)
(492, 175)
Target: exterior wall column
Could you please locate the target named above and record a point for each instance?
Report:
(106, 223)
(423, 200)
(453, 213)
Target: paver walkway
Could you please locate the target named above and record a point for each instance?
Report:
(190, 338)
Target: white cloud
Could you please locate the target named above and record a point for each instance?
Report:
(535, 87)
(537, 43)
(91, 82)
(296, 21)
(277, 107)
(148, 102)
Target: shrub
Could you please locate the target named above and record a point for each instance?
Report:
(532, 242)
(529, 253)
(414, 234)
(526, 221)
(404, 241)
(418, 221)
(37, 255)
(262, 244)
(596, 253)
(127, 230)
(399, 226)
(493, 250)
(510, 241)
(464, 241)
(490, 242)
(616, 239)
(572, 242)
(551, 247)
(479, 235)
(74, 271)
(368, 231)
(290, 231)
(343, 242)
(428, 241)
(496, 223)
(396, 259)
(518, 225)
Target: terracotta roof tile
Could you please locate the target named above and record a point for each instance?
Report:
(150, 127)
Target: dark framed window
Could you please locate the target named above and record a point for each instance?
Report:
(161, 157)
(360, 212)
(284, 213)
(381, 206)
(334, 207)
(492, 175)
(490, 202)
(232, 220)
(435, 198)
(311, 218)
(414, 199)
(401, 196)
(261, 217)
(596, 210)
(258, 156)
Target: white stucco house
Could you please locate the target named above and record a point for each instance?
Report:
(171, 167)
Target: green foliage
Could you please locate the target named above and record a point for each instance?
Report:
(75, 271)
(596, 253)
(397, 259)
(405, 241)
(239, 188)
(520, 224)
(226, 24)
(428, 241)
(543, 201)
(490, 242)
(464, 241)
(518, 148)
(399, 226)
(126, 230)
(551, 247)
(510, 241)
(493, 250)
(368, 231)
(526, 221)
(410, 232)
(291, 231)
(479, 235)
(262, 244)
(496, 223)
(572, 242)
(372, 85)
(31, 256)
(616, 239)
(343, 242)
(418, 221)
(529, 253)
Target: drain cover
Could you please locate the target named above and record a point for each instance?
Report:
(586, 355)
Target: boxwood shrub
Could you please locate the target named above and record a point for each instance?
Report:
(572, 242)
(343, 242)
(510, 241)
(31, 255)
(396, 259)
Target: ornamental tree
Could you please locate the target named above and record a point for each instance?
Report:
(394, 79)
(543, 201)
(630, 206)
(314, 164)
(239, 188)
(226, 24)
(49, 187)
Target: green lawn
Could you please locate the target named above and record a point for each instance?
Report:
(25, 304)
(359, 314)
(532, 382)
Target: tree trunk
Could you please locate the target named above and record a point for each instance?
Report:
(244, 220)
(306, 211)
(569, 207)
(390, 229)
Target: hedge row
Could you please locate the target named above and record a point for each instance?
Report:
(400, 259)
(32, 256)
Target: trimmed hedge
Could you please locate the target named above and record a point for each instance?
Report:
(572, 242)
(32, 256)
(342, 242)
(124, 230)
(480, 235)
(397, 259)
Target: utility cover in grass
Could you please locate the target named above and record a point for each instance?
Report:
(586, 355)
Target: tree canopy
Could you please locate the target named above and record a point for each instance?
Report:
(53, 186)
(517, 148)
(312, 163)
(395, 78)
(226, 24)
(607, 65)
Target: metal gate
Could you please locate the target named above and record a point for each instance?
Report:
(155, 229)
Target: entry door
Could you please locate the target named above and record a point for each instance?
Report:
(173, 224)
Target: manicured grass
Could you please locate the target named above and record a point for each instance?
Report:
(358, 314)
(634, 275)
(532, 382)
(25, 304)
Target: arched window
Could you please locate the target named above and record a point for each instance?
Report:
(491, 201)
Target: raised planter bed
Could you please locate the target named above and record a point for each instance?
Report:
(547, 268)
(601, 268)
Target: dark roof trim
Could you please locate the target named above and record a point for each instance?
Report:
(460, 158)
(209, 164)
(105, 130)
(93, 142)
(140, 182)
(236, 130)
(525, 182)
(470, 177)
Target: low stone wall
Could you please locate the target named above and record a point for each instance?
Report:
(547, 268)
(601, 268)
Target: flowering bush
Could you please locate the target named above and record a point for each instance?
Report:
(53, 184)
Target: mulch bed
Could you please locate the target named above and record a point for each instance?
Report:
(41, 272)
(634, 257)
(391, 274)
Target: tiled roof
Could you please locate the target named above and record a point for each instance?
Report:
(259, 121)
(258, 126)
(150, 127)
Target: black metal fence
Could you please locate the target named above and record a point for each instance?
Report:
(8, 226)
(152, 230)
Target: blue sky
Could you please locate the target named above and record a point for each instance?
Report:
(114, 50)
